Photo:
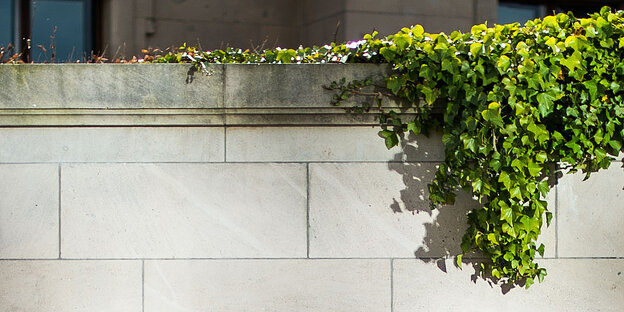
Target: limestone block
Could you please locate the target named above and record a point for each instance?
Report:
(591, 214)
(29, 211)
(382, 210)
(60, 285)
(267, 285)
(133, 144)
(183, 210)
(110, 86)
(325, 144)
(571, 285)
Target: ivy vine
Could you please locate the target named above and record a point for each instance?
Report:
(520, 103)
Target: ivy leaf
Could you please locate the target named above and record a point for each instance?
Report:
(506, 213)
(388, 53)
(458, 261)
(414, 126)
(505, 179)
(616, 145)
(545, 103)
(418, 31)
(471, 144)
(549, 216)
(402, 41)
(477, 185)
(534, 168)
(573, 61)
(541, 274)
(541, 156)
(395, 83)
(390, 137)
(503, 63)
(540, 250)
(592, 87)
(475, 49)
(543, 188)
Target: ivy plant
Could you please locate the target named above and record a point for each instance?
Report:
(520, 103)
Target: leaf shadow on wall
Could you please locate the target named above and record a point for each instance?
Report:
(446, 226)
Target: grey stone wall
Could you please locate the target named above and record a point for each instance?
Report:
(130, 25)
(238, 193)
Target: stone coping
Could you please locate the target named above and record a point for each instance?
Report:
(177, 94)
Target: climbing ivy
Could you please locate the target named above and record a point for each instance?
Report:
(520, 103)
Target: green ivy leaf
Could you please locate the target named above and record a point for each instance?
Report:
(390, 138)
(506, 213)
(505, 179)
(573, 61)
(534, 168)
(545, 103)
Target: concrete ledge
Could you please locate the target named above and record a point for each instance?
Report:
(177, 94)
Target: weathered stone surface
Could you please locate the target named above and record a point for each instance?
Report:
(59, 285)
(29, 224)
(134, 144)
(292, 85)
(267, 285)
(324, 144)
(571, 285)
(110, 86)
(591, 214)
(183, 211)
(381, 210)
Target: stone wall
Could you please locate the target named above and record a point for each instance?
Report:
(130, 25)
(153, 188)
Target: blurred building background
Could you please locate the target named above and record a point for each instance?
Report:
(72, 29)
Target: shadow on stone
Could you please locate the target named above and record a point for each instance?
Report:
(443, 234)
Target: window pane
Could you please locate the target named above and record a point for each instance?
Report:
(67, 21)
(514, 12)
(6, 22)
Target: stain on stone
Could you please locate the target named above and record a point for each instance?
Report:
(177, 1)
(619, 273)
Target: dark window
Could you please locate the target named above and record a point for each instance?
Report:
(62, 28)
(51, 30)
(509, 12)
(7, 33)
